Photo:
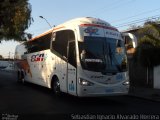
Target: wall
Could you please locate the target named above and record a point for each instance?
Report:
(157, 77)
(139, 75)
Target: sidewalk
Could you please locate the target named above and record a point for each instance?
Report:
(145, 93)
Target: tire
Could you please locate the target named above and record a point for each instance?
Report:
(56, 86)
(20, 77)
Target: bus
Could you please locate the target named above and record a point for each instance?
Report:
(83, 57)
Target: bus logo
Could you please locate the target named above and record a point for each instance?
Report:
(91, 31)
(38, 57)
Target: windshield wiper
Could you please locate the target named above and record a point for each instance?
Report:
(113, 58)
(107, 60)
(110, 60)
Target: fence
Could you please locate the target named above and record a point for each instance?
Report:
(139, 75)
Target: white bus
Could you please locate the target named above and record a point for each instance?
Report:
(82, 57)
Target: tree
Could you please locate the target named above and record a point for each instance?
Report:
(1, 57)
(15, 18)
(132, 27)
(148, 50)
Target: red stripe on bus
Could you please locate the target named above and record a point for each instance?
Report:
(101, 26)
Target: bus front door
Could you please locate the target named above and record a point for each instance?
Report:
(71, 68)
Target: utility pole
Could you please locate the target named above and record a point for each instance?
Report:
(9, 55)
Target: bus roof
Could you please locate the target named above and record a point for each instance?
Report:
(78, 21)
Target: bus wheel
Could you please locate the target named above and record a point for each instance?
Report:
(56, 86)
(20, 77)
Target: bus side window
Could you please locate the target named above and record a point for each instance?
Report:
(71, 48)
(72, 53)
(60, 42)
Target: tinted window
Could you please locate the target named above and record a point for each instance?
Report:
(61, 41)
(102, 54)
(39, 44)
(72, 54)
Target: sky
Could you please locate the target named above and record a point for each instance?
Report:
(119, 13)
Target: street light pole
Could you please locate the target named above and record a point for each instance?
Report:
(46, 21)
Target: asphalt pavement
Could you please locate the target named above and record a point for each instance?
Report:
(29, 101)
(145, 93)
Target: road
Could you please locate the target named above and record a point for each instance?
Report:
(26, 101)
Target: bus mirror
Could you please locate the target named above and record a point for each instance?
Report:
(81, 39)
(64, 57)
(132, 37)
(81, 35)
(83, 54)
(53, 36)
(53, 39)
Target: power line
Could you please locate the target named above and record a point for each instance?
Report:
(104, 7)
(135, 22)
(120, 4)
(108, 7)
(137, 15)
(138, 21)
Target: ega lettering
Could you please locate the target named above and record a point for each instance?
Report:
(91, 31)
(37, 58)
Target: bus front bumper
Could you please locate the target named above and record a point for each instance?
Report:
(89, 91)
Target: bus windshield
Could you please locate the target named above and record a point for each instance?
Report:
(101, 54)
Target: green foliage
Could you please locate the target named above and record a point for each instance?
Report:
(15, 18)
(148, 50)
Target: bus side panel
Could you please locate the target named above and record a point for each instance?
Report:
(41, 66)
(60, 71)
(34, 75)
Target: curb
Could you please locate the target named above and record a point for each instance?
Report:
(145, 98)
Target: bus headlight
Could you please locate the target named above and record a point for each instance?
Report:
(85, 82)
(126, 83)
